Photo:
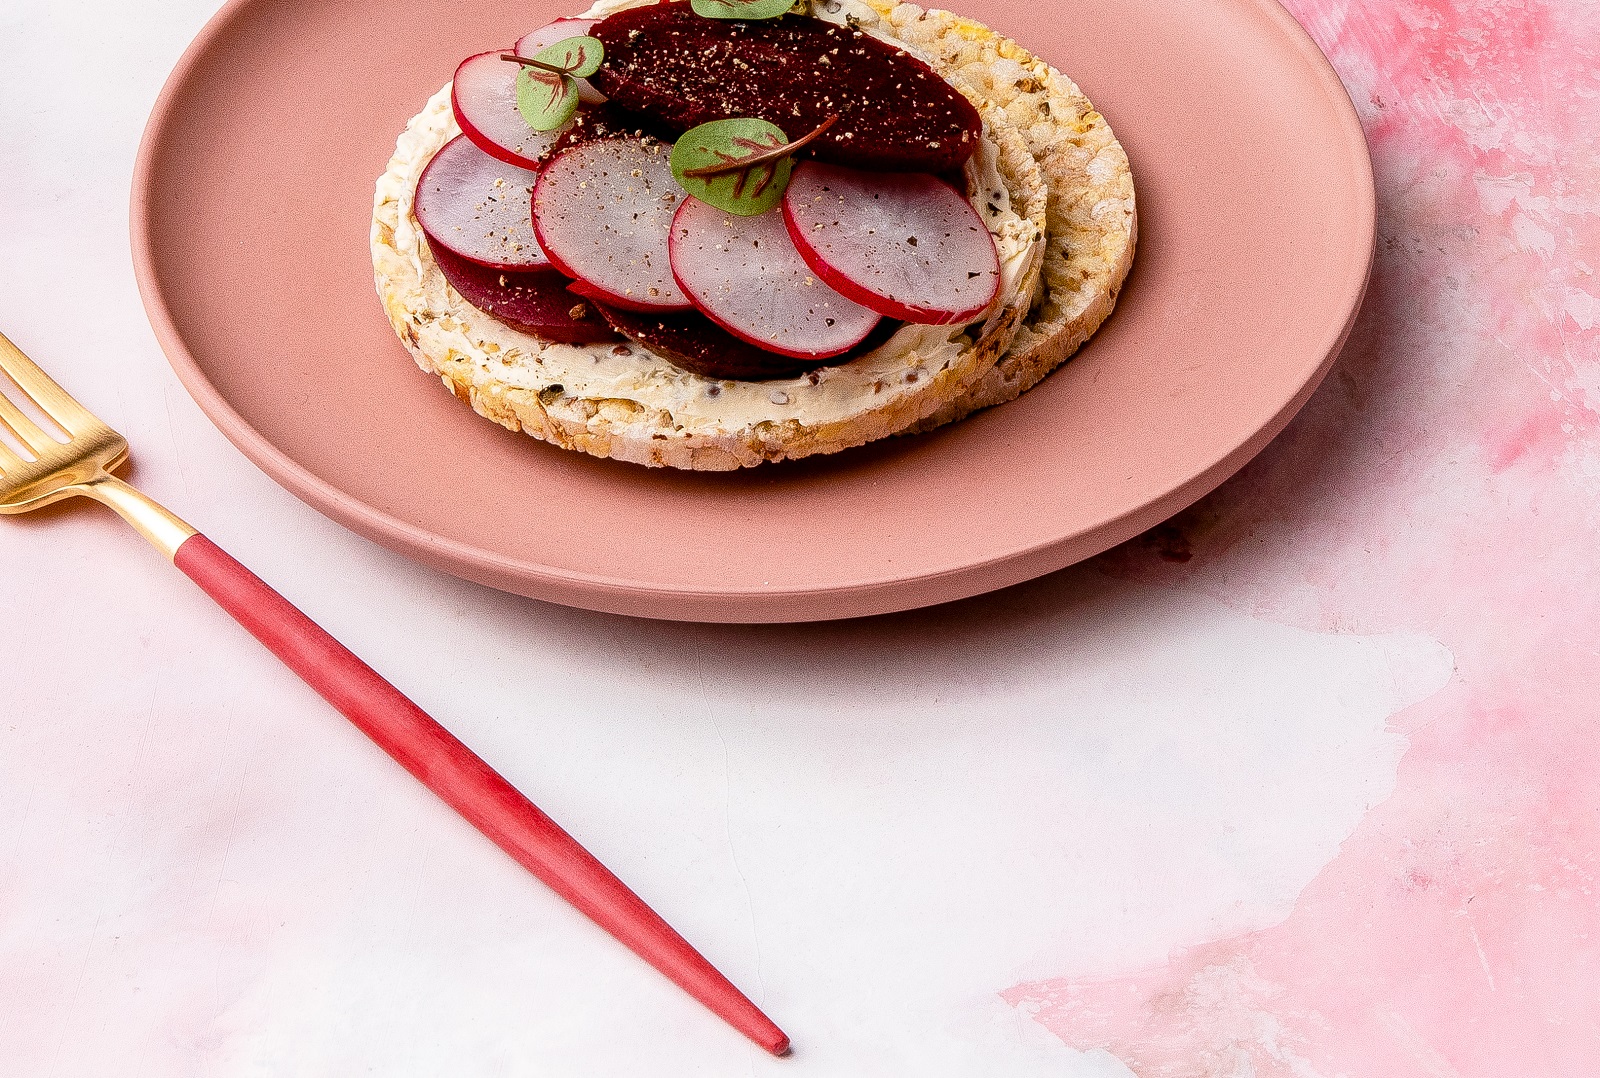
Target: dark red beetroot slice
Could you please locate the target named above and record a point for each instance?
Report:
(536, 302)
(907, 245)
(895, 113)
(692, 341)
(479, 208)
(483, 96)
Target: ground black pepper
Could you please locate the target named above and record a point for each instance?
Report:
(682, 70)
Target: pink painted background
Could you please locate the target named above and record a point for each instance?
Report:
(207, 876)
(1445, 480)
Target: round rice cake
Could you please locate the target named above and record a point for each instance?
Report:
(622, 401)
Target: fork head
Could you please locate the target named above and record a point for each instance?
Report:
(50, 470)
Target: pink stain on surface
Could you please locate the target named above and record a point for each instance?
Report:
(1446, 479)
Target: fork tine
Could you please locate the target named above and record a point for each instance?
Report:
(56, 402)
(20, 424)
(9, 461)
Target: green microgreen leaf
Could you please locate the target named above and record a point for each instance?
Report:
(546, 99)
(547, 85)
(577, 56)
(740, 9)
(740, 166)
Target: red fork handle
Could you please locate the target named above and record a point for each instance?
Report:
(467, 784)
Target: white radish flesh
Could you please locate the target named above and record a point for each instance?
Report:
(745, 274)
(484, 99)
(906, 244)
(602, 211)
(479, 208)
(560, 30)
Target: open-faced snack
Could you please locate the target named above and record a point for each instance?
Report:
(774, 329)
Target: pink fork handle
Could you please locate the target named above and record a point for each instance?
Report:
(465, 783)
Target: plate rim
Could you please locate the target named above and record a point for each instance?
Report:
(734, 604)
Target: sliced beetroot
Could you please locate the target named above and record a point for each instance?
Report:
(483, 96)
(602, 211)
(592, 123)
(560, 30)
(479, 208)
(906, 245)
(895, 112)
(536, 302)
(745, 274)
(692, 341)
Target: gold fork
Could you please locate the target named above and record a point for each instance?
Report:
(51, 471)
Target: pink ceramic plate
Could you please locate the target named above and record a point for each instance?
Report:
(251, 203)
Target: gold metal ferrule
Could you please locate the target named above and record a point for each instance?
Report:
(163, 528)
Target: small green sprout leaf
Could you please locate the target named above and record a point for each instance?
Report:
(546, 99)
(740, 166)
(547, 85)
(577, 56)
(740, 9)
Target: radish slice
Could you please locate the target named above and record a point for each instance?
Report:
(484, 99)
(746, 275)
(536, 301)
(479, 208)
(905, 244)
(602, 211)
(560, 30)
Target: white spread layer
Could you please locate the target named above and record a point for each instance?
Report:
(604, 371)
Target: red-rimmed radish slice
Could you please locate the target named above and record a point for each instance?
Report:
(536, 302)
(602, 211)
(905, 244)
(484, 99)
(745, 275)
(560, 30)
(479, 208)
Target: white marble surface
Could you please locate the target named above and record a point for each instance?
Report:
(875, 827)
